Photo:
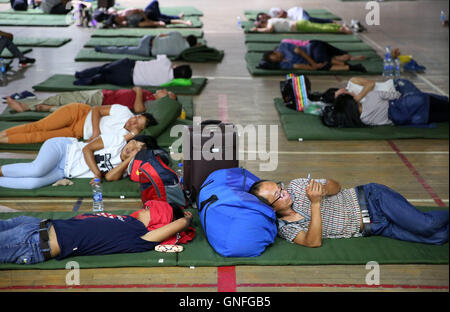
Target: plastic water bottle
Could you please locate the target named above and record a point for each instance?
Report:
(97, 195)
(180, 172)
(2, 71)
(397, 67)
(388, 63)
(239, 22)
(443, 18)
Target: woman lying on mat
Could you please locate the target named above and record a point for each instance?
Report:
(283, 25)
(137, 99)
(394, 102)
(79, 120)
(106, 156)
(149, 17)
(309, 211)
(29, 240)
(310, 55)
(294, 13)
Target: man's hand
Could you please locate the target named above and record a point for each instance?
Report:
(137, 89)
(188, 216)
(315, 192)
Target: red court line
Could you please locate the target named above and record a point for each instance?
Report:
(224, 289)
(226, 279)
(419, 178)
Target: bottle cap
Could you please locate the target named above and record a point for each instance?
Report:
(96, 180)
(180, 164)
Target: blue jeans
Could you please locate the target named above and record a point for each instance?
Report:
(19, 241)
(47, 168)
(143, 49)
(153, 13)
(393, 216)
(311, 19)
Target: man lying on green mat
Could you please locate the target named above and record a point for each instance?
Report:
(132, 17)
(126, 72)
(170, 44)
(283, 25)
(79, 120)
(394, 102)
(106, 156)
(309, 210)
(29, 240)
(309, 55)
(138, 100)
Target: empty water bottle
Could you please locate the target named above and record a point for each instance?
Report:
(443, 18)
(397, 67)
(97, 195)
(388, 63)
(239, 22)
(2, 71)
(180, 172)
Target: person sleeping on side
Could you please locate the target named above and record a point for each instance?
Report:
(106, 157)
(395, 102)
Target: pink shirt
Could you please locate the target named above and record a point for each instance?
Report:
(298, 43)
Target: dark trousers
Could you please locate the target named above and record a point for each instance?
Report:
(393, 216)
(321, 51)
(61, 8)
(119, 72)
(307, 17)
(153, 13)
(19, 5)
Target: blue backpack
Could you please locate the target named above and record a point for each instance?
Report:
(235, 222)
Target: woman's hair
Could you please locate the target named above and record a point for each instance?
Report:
(259, 15)
(150, 120)
(182, 71)
(149, 141)
(192, 40)
(346, 113)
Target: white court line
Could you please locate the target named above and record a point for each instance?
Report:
(428, 82)
(352, 153)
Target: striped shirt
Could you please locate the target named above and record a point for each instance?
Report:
(340, 213)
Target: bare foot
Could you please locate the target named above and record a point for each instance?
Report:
(15, 105)
(344, 29)
(181, 15)
(189, 23)
(358, 58)
(43, 108)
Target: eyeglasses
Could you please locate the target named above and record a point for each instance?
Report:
(281, 188)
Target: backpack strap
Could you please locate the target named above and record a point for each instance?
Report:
(153, 176)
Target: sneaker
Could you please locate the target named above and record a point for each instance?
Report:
(27, 95)
(412, 66)
(26, 61)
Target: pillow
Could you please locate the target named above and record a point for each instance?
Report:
(178, 82)
(165, 110)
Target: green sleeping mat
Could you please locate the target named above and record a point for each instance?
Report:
(311, 28)
(7, 19)
(346, 46)
(40, 41)
(319, 13)
(140, 32)
(60, 83)
(373, 65)
(6, 54)
(118, 41)
(198, 252)
(195, 54)
(276, 38)
(309, 127)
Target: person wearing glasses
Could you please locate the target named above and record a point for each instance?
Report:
(310, 210)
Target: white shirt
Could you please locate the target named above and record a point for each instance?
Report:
(153, 73)
(294, 13)
(106, 158)
(113, 123)
(280, 24)
(388, 85)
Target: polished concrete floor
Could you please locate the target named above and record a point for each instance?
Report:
(418, 169)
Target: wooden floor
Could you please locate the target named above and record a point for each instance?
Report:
(418, 169)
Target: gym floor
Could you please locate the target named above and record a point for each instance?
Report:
(418, 169)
